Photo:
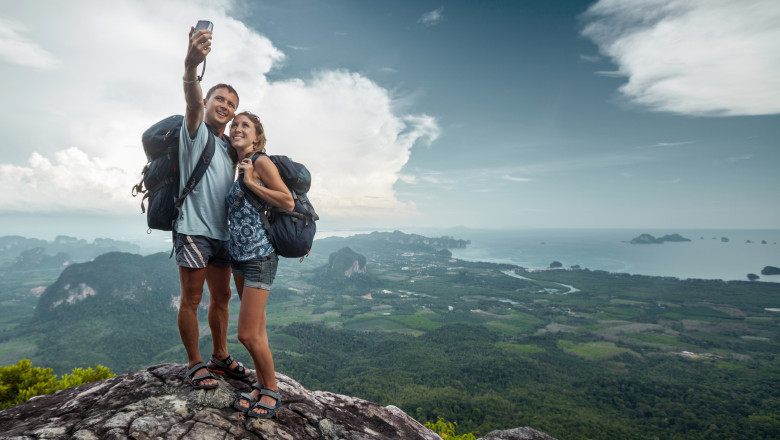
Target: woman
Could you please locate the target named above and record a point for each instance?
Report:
(253, 259)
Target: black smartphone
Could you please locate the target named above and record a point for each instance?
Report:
(203, 24)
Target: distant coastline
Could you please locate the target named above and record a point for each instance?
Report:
(727, 254)
(747, 251)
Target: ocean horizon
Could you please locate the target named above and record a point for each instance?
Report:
(706, 256)
(725, 254)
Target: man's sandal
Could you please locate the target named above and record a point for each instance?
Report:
(248, 397)
(195, 381)
(270, 409)
(223, 367)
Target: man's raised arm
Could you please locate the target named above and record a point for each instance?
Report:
(200, 46)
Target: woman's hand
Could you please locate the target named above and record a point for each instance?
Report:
(247, 168)
(274, 192)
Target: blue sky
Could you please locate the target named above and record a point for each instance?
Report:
(500, 114)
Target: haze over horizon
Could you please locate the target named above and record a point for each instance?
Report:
(580, 114)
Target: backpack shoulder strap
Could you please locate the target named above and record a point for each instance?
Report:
(256, 155)
(255, 202)
(197, 173)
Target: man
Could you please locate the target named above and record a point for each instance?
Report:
(201, 233)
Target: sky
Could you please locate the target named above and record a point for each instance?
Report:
(492, 114)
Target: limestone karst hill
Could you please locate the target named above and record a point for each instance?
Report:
(156, 404)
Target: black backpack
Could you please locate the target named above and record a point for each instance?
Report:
(290, 232)
(160, 176)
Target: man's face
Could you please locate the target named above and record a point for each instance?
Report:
(220, 107)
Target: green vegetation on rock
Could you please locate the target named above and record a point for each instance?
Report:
(21, 382)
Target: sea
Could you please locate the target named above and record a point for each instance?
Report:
(711, 254)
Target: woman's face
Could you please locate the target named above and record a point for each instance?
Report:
(242, 132)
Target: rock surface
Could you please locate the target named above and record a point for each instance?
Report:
(525, 433)
(157, 404)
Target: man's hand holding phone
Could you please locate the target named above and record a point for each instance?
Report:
(200, 44)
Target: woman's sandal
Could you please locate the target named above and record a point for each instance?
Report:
(196, 380)
(223, 367)
(248, 397)
(270, 409)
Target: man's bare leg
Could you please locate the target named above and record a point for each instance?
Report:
(191, 293)
(218, 279)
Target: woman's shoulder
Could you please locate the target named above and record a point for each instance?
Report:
(263, 164)
(262, 158)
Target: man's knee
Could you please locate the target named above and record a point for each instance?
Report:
(191, 299)
(219, 298)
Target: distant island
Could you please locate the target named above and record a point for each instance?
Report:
(770, 270)
(649, 239)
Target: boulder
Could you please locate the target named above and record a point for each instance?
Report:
(524, 433)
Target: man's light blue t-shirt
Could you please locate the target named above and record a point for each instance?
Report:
(205, 211)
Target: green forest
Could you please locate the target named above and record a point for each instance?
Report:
(578, 354)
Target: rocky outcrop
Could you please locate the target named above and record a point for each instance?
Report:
(157, 404)
(346, 270)
(345, 263)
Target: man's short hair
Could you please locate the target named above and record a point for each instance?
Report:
(222, 86)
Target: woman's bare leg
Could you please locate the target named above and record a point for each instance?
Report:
(252, 333)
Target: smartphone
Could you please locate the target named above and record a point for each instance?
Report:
(203, 24)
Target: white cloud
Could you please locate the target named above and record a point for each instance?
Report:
(70, 181)
(16, 49)
(610, 73)
(342, 126)
(666, 144)
(516, 179)
(432, 18)
(77, 130)
(734, 159)
(695, 57)
(427, 177)
(590, 58)
(739, 158)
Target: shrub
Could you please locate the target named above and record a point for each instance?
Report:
(21, 382)
(447, 430)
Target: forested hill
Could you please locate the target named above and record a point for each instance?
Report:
(118, 310)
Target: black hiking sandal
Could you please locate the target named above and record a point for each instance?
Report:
(195, 381)
(270, 409)
(248, 397)
(223, 367)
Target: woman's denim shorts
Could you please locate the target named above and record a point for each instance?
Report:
(258, 272)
